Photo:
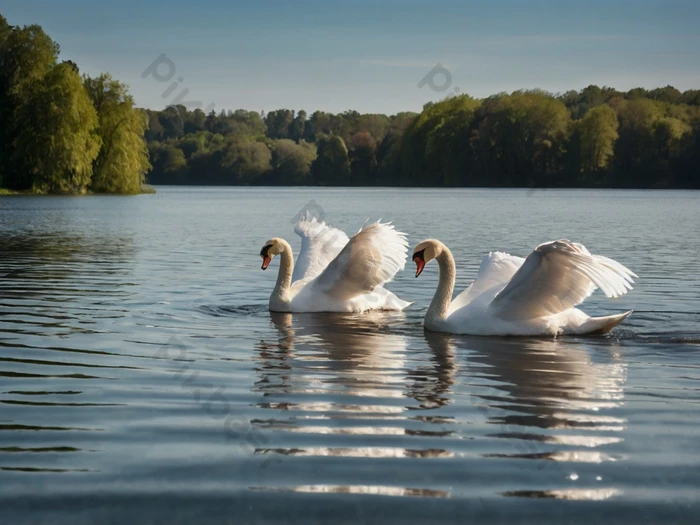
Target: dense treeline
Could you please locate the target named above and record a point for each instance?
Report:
(281, 147)
(598, 137)
(61, 132)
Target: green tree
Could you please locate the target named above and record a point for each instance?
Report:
(389, 151)
(278, 123)
(57, 144)
(374, 124)
(5, 100)
(291, 162)
(194, 143)
(5, 29)
(298, 127)
(597, 135)
(172, 123)
(669, 142)
(691, 97)
(26, 54)
(247, 123)
(435, 138)
(634, 149)
(319, 124)
(521, 138)
(246, 160)
(195, 121)
(667, 94)
(590, 97)
(637, 93)
(332, 165)
(154, 130)
(363, 160)
(122, 162)
(447, 152)
(168, 164)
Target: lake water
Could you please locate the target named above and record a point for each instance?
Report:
(142, 379)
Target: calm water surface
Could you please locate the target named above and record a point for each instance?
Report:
(142, 379)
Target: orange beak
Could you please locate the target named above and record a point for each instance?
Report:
(266, 261)
(420, 264)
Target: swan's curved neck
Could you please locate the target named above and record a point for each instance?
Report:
(280, 295)
(443, 295)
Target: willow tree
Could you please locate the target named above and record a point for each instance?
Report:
(56, 144)
(28, 54)
(122, 162)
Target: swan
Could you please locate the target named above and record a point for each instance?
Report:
(335, 273)
(528, 297)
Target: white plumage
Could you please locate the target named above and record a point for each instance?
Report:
(320, 244)
(334, 273)
(557, 276)
(532, 296)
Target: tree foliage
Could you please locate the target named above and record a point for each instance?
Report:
(292, 162)
(597, 132)
(595, 137)
(332, 165)
(57, 143)
(61, 133)
(247, 160)
(122, 162)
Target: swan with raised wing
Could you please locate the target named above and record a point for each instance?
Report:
(334, 273)
(532, 296)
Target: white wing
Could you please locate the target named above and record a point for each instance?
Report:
(497, 268)
(557, 276)
(372, 257)
(320, 244)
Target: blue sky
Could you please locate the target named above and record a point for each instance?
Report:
(370, 56)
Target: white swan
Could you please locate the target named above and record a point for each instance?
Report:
(516, 296)
(334, 273)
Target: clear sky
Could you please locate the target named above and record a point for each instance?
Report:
(370, 55)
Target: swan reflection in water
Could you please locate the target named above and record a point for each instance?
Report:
(353, 379)
(545, 393)
(356, 365)
(345, 377)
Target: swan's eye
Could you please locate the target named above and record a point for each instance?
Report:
(265, 249)
(419, 255)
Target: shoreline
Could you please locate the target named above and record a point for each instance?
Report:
(146, 189)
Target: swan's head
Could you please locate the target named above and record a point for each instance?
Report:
(425, 252)
(269, 250)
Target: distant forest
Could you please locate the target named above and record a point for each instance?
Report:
(61, 132)
(596, 137)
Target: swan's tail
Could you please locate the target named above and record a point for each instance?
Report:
(602, 325)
